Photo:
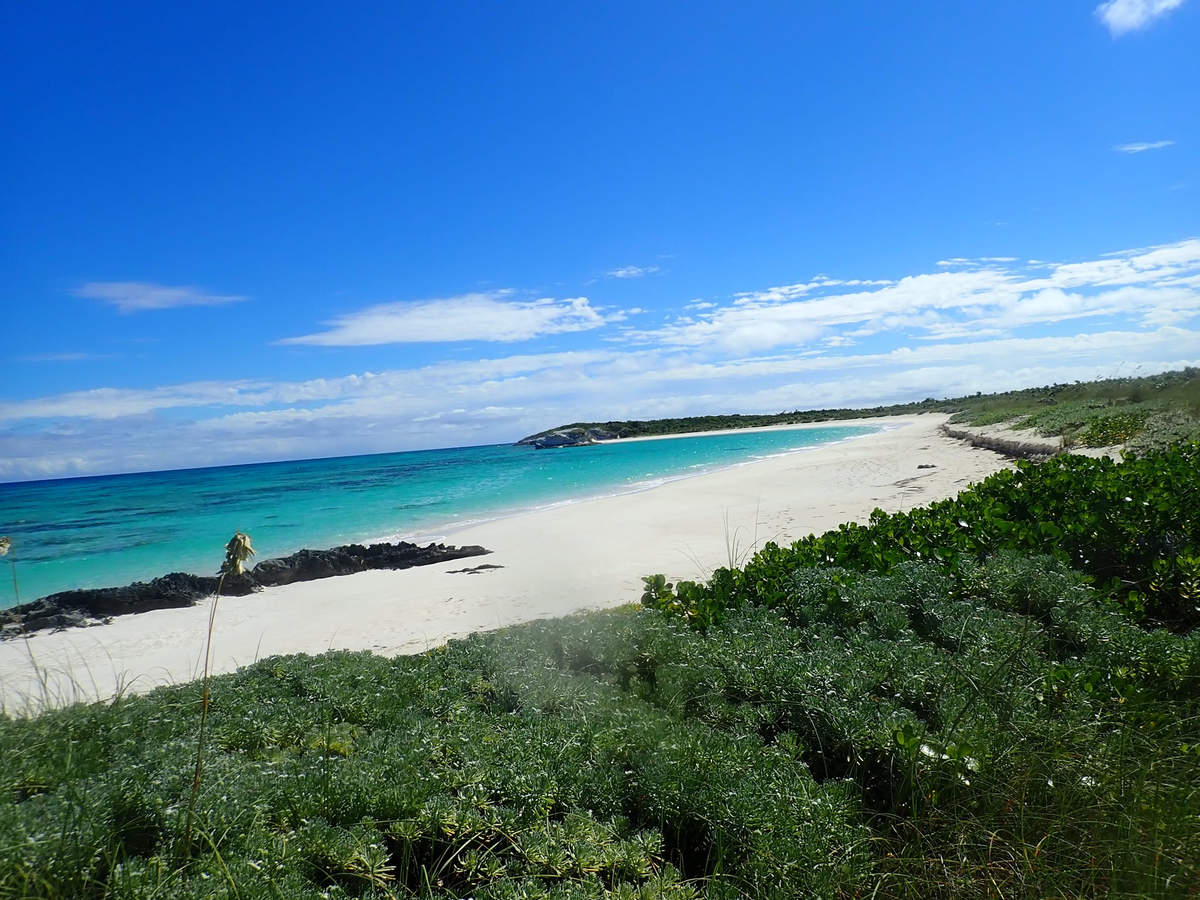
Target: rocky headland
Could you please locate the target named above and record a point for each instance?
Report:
(568, 437)
(98, 605)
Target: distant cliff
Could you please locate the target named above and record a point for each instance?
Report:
(570, 436)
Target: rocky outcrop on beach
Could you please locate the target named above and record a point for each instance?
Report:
(309, 565)
(98, 605)
(1021, 444)
(1015, 445)
(568, 437)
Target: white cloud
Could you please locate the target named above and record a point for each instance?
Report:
(960, 262)
(399, 386)
(133, 296)
(454, 404)
(493, 316)
(1142, 146)
(992, 325)
(1151, 285)
(1124, 16)
(632, 271)
(64, 357)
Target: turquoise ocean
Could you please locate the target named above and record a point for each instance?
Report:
(114, 529)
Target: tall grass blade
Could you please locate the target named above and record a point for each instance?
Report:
(237, 552)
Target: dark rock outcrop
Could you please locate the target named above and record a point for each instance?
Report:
(1033, 450)
(309, 565)
(568, 437)
(98, 605)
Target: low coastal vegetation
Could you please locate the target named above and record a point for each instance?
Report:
(1147, 412)
(961, 701)
(995, 696)
(1132, 527)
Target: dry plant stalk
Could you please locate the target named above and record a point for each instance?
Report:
(5, 549)
(237, 552)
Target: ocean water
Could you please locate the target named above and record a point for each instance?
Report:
(112, 530)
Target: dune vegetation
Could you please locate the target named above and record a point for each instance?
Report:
(1144, 412)
(995, 696)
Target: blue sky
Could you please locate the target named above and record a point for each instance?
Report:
(243, 232)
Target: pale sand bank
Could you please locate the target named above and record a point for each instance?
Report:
(555, 561)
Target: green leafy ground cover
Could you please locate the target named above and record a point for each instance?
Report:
(956, 702)
(1148, 413)
(1133, 527)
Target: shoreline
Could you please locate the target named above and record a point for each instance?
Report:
(799, 426)
(92, 607)
(551, 562)
(449, 531)
(380, 528)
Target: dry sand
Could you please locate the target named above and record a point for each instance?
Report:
(555, 561)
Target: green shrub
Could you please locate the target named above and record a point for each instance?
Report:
(1167, 429)
(1133, 526)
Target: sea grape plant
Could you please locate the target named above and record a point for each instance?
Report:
(1132, 526)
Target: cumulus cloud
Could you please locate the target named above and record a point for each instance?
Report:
(1152, 286)
(134, 296)
(632, 271)
(1123, 16)
(1142, 146)
(493, 316)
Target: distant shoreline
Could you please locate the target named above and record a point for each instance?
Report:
(449, 530)
(756, 429)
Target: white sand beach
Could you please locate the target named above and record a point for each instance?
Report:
(552, 562)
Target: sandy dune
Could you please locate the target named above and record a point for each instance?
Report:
(554, 562)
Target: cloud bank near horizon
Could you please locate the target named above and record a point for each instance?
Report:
(986, 324)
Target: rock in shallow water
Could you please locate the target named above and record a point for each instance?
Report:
(568, 437)
(97, 605)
